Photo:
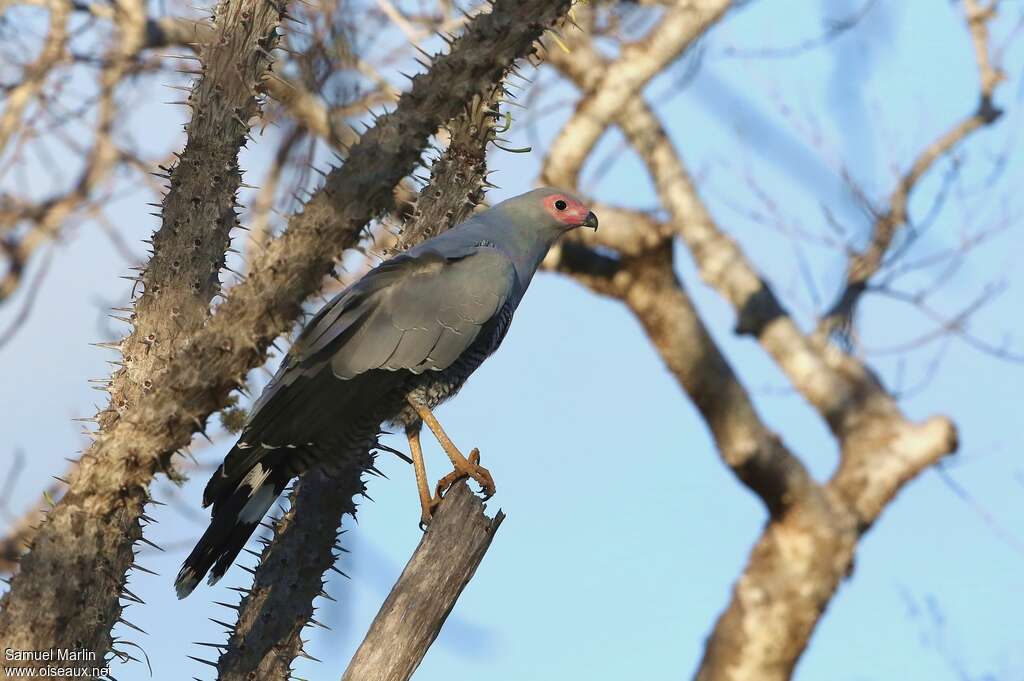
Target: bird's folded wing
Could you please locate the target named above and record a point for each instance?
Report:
(415, 312)
(427, 314)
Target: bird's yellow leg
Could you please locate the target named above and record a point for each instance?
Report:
(463, 467)
(427, 505)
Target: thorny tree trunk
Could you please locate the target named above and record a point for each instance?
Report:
(267, 637)
(67, 591)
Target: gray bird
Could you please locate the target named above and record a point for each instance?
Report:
(386, 350)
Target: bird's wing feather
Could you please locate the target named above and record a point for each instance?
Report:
(418, 311)
(429, 313)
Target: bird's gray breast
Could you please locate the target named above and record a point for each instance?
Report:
(434, 387)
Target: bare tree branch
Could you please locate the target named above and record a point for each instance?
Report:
(866, 264)
(19, 97)
(606, 90)
(419, 603)
(648, 286)
(781, 594)
(21, 528)
(102, 156)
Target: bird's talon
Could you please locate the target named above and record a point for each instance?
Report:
(477, 473)
(427, 513)
(445, 483)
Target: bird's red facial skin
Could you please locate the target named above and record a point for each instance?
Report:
(574, 213)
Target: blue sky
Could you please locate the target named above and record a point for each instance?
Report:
(624, 532)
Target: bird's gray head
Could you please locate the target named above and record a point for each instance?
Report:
(526, 226)
(547, 212)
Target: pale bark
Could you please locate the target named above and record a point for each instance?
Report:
(419, 603)
(809, 542)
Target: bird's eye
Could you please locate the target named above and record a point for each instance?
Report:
(561, 205)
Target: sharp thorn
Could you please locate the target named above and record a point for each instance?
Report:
(199, 659)
(127, 623)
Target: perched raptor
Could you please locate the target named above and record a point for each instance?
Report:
(386, 350)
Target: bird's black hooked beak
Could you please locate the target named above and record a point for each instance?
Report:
(591, 221)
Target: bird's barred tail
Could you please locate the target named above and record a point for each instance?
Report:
(234, 519)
